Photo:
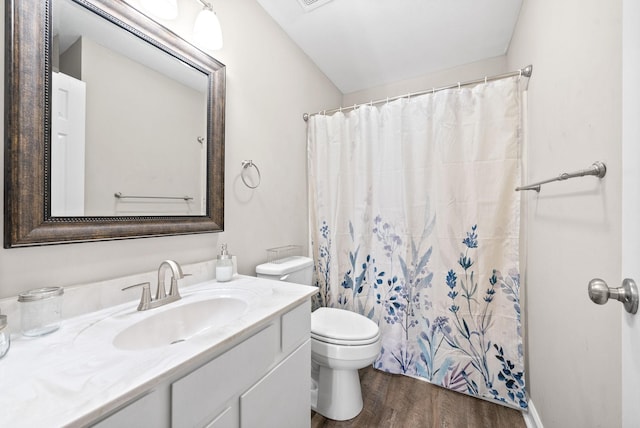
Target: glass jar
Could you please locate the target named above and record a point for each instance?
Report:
(40, 310)
(5, 336)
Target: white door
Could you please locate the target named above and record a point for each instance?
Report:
(67, 145)
(630, 207)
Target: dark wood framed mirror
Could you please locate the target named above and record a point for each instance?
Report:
(31, 55)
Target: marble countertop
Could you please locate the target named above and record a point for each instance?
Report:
(75, 375)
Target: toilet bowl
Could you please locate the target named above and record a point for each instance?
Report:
(342, 342)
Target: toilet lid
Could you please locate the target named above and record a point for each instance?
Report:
(343, 327)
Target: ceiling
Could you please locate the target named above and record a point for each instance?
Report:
(361, 44)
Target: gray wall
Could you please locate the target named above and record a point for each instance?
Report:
(574, 227)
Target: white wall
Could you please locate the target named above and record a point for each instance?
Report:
(270, 84)
(575, 226)
(630, 206)
(471, 71)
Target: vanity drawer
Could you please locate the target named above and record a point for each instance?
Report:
(199, 397)
(150, 411)
(296, 327)
(281, 399)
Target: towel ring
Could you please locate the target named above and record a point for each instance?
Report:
(247, 164)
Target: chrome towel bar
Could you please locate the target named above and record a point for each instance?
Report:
(119, 195)
(598, 169)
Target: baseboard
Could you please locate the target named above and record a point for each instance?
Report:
(531, 418)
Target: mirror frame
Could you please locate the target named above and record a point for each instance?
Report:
(27, 205)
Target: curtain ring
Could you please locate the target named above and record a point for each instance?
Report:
(246, 164)
(485, 80)
(458, 85)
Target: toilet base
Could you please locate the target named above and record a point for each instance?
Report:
(325, 400)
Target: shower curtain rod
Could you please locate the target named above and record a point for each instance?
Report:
(526, 72)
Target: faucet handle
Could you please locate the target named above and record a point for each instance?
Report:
(173, 291)
(142, 284)
(145, 299)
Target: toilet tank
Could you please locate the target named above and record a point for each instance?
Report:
(296, 269)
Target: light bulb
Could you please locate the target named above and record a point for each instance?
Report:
(206, 30)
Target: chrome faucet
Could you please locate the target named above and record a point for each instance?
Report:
(176, 274)
(162, 298)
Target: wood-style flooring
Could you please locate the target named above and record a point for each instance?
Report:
(396, 401)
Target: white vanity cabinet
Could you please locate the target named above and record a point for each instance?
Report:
(281, 398)
(261, 382)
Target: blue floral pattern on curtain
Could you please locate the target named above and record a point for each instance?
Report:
(415, 224)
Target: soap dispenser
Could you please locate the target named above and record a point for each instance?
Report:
(224, 265)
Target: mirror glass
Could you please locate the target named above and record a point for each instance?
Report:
(128, 122)
(114, 126)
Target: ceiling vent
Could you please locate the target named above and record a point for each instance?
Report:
(309, 5)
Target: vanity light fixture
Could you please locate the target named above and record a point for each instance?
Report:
(207, 33)
(206, 30)
(164, 9)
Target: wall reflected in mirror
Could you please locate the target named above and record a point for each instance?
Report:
(126, 118)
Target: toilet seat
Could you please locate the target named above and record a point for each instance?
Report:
(342, 327)
(333, 341)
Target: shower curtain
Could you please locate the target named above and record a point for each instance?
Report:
(415, 224)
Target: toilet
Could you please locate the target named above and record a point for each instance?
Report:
(342, 342)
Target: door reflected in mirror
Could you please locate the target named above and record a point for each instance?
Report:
(128, 123)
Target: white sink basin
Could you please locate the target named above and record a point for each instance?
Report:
(179, 323)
